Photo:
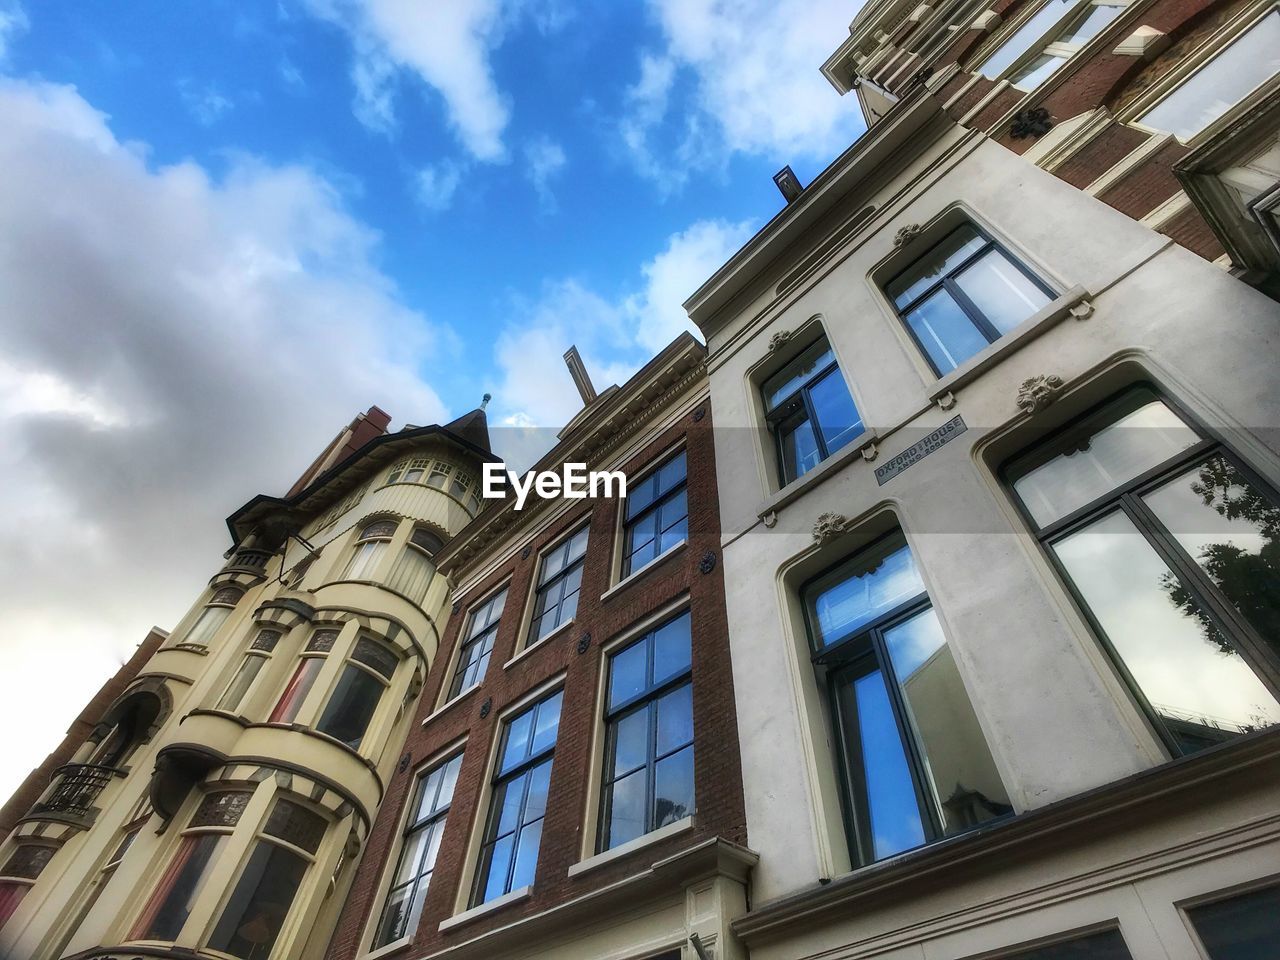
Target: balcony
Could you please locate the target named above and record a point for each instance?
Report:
(249, 560)
(73, 792)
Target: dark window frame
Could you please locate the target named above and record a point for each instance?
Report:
(643, 700)
(350, 662)
(488, 633)
(1126, 498)
(541, 586)
(629, 523)
(947, 281)
(499, 778)
(859, 652)
(800, 399)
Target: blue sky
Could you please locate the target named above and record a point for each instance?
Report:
(232, 225)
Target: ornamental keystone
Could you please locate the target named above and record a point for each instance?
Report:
(1039, 392)
(829, 525)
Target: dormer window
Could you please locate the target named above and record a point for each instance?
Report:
(408, 471)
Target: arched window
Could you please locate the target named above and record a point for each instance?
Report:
(213, 616)
(254, 661)
(415, 566)
(370, 546)
(131, 721)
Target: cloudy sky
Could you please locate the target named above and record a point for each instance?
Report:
(229, 225)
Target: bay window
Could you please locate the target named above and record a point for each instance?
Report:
(370, 546)
(648, 781)
(1171, 546)
(304, 676)
(509, 853)
(260, 901)
(656, 516)
(915, 761)
(963, 294)
(809, 410)
(213, 616)
(259, 653)
(559, 580)
(418, 850)
(478, 638)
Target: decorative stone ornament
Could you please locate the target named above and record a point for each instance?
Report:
(524, 554)
(486, 707)
(1036, 393)
(986, 21)
(403, 765)
(1032, 122)
(906, 234)
(829, 525)
(1082, 310)
(1146, 43)
(778, 340)
(770, 519)
(707, 563)
(699, 414)
(870, 451)
(584, 643)
(946, 401)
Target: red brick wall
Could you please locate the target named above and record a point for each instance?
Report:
(1099, 155)
(718, 780)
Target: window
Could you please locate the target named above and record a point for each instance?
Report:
(21, 870)
(339, 509)
(304, 676)
(260, 900)
(1107, 945)
(648, 735)
(1046, 41)
(170, 904)
(418, 852)
(408, 471)
(213, 616)
(511, 837)
(481, 631)
(809, 410)
(1246, 63)
(915, 760)
(656, 515)
(359, 689)
(963, 294)
(1244, 927)
(559, 580)
(259, 653)
(370, 546)
(412, 572)
(1172, 549)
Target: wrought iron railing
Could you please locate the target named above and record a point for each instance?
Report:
(75, 788)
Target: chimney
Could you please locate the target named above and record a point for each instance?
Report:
(581, 379)
(788, 183)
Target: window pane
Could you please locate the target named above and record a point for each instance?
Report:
(1246, 927)
(295, 693)
(1108, 945)
(507, 798)
(1095, 460)
(1221, 83)
(182, 882)
(1026, 35)
(944, 257)
(627, 673)
(890, 796)
(856, 593)
(1188, 671)
(958, 764)
(791, 377)
(671, 648)
(675, 719)
(672, 473)
(1005, 295)
(546, 724)
(517, 747)
(395, 917)
(626, 813)
(526, 856)
(364, 560)
(673, 788)
(211, 618)
(838, 418)
(1232, 530)
(1089, 24)
(260, 902)
(799, 446)
(535, 800)
(351, 707)
(1036, 71)
(240, 683)
(945, 332)
(494, 870)
(630, 741)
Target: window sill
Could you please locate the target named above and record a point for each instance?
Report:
(635, 575)
(1045, 319)
(558, 631)
(388, 949)
(826, 468)
(444, 707)
(475, 913)
(631, 846)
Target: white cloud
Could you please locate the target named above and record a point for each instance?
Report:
(444, 44)
(291, 75)
(13, 21)
(170, 345)
(205, 103)
(437, 183)
(756, 87)
(544, 159)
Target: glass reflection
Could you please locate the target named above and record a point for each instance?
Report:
(890, 796)
(853, 595)
(1187, 669)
